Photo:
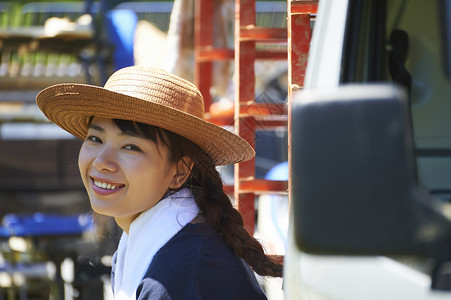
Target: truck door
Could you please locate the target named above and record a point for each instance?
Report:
(369, 157)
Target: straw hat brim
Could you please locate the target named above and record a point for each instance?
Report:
(70, 106)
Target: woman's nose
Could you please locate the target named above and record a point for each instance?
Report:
(105, 160)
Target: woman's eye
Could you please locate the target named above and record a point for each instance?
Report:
(94, 139)
(132, 148)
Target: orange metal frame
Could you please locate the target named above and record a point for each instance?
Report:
(247, 113)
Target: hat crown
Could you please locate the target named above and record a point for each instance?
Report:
(144, 95)
(158, 87)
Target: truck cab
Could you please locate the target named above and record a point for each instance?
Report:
(370, 154)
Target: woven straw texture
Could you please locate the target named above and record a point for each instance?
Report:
(145, 95)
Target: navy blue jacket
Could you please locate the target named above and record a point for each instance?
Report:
(197, 264)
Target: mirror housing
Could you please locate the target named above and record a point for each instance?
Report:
(354, 189)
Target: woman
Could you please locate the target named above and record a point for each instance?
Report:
(148, 160)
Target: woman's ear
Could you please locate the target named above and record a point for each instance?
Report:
(183, 171)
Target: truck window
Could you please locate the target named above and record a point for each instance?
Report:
(401, 41)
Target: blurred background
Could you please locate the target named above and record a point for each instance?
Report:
(51, 244)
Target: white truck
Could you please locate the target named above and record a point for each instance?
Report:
(370, 169)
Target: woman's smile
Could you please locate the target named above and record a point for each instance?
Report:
(103, 187)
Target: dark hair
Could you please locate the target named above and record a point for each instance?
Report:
(207, 188)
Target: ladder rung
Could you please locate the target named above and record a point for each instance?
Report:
(271, 54)
(220, 121)
(263, 185)
(213, 54)
(260, 186)
(271, 123)
(263, 109)
(206, 54)
(304, 7)
(263, 34)
(266, 115)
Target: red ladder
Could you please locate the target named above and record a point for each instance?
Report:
(249, 115)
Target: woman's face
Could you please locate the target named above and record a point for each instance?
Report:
(123, 174)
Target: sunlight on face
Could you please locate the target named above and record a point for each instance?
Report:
(123, 174)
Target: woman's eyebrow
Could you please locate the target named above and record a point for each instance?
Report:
(96, 127)
(123, 132)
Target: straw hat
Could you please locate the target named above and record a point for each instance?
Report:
(145, 95)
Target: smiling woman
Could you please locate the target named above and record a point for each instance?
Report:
(148, 160)
(124, 174)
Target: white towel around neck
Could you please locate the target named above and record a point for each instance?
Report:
(147, 234)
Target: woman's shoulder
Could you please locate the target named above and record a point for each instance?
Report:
(198, 263)
(196, 246)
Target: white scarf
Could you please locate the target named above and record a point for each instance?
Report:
(147, 234)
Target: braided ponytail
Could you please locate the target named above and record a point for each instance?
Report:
(219, 212)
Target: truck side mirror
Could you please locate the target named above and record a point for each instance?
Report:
(353, 174)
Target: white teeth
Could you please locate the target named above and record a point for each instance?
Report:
(104, 185)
